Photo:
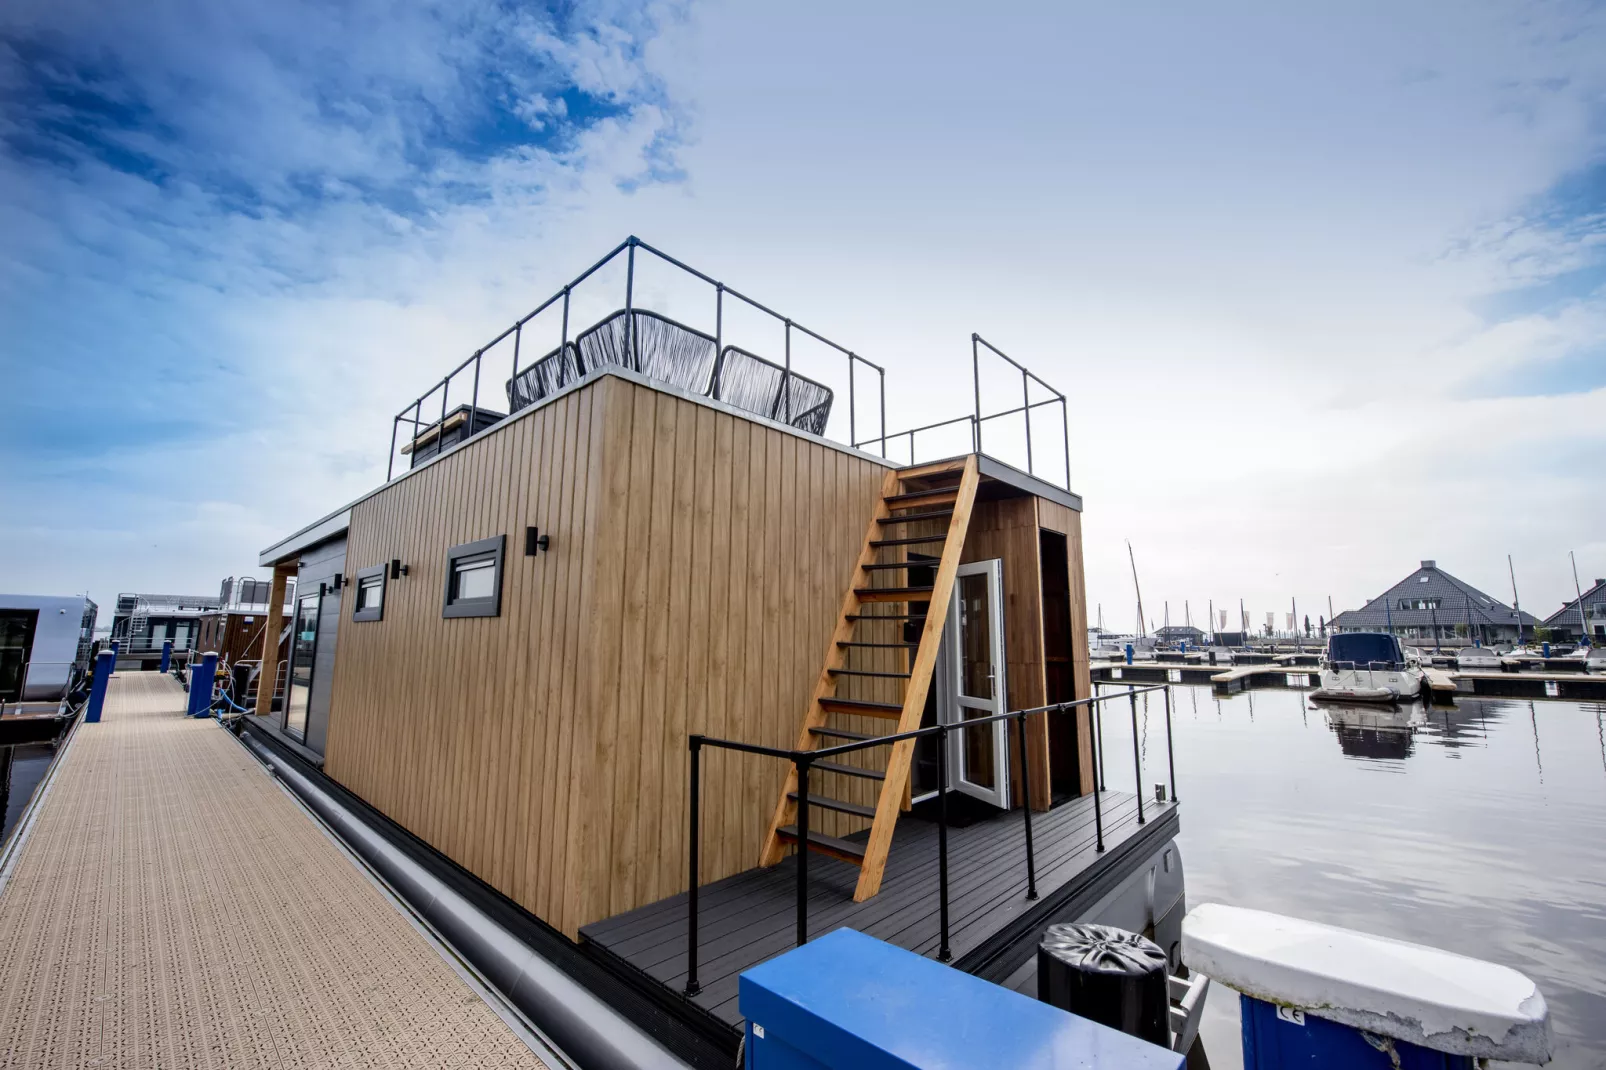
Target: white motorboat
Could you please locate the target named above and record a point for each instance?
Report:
(1477, 659)
(1369, 667)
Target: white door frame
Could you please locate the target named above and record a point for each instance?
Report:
(953, 707)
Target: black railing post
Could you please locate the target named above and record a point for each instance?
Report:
(474, 401)
(1098, 733)
(1065, 427)
(1170, 751)
(563, 343)
(1137, 761)
(883, 372)
(1026, 810)
(786, 380)
(719, 338)
(692, 987)
(630, 309)
(518, 335)
(803, 765)
(440, 428)
(1026, 401)
(853, 434)
(943, 951)
(390, 462)
(975, 372)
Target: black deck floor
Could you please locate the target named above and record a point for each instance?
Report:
(746, 919)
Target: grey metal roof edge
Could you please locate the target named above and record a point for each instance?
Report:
(1005, 472)
(319, 529)
(311, 535)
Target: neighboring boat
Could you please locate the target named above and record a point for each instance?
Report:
(1477, 659)
(1369, 667)
(1595, 661)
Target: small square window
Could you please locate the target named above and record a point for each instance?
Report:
(370, 600)
(474, 579)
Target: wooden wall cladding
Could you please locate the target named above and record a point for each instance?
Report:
(1068, 522)
(697, 563)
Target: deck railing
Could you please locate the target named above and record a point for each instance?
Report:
(471, 368)
(976, 421)
(803, 760)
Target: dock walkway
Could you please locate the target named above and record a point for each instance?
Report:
(173, 907)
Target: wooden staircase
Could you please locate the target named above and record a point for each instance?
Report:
(883, 651)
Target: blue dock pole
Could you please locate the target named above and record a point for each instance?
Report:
(115, 645)
(97, 694)
(1129, 653)
(201, 677)
(167, 655)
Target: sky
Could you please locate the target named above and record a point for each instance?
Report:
(1325, 286)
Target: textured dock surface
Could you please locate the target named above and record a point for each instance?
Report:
(172, 907)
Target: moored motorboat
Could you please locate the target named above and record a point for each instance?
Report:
(1369, 667)
(1477, 659)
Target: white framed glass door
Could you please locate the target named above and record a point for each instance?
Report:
(978, 758)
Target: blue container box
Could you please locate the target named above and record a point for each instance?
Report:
(850, 1000)
(1277, 1037)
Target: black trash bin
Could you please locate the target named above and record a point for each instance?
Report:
(1108, 975)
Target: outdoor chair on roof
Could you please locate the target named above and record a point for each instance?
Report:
(750, 382)
(676, 354)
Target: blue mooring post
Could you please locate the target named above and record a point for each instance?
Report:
(1129, 653)
(201, 677)
(167, 655)
(1545, 647)
(97, 694)
(115, 643)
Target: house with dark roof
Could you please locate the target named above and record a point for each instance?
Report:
(1178, 633)
(1432, 604)
(1567, 623)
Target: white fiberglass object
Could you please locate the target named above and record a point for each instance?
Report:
(1421, 995)
(1477, 659)
(1369, 667)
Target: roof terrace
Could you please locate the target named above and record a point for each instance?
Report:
(708, 339)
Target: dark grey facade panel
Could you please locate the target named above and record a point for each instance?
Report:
(319, 566)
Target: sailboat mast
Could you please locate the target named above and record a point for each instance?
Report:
(1583, 622)
(1143, 629)
(1515, 604)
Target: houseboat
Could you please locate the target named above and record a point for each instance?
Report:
(671, 657)
(143, 626)
(45, 644)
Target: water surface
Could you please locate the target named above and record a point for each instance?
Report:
(18, 779)
(1480, 829)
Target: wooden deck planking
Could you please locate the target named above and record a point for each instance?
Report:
(751, 917)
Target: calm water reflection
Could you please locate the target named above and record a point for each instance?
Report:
(1480, 829)
(21, 768)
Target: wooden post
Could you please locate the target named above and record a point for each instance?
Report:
(271, 628)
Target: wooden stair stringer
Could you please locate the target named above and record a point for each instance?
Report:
(890, 802)
(814, 716)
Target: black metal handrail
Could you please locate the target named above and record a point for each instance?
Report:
(412, 413)
(803, 761)
(977, 418)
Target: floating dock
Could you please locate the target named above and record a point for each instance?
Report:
(167, 904)
(1445, 683)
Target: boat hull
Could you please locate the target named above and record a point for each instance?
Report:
(1370, 685)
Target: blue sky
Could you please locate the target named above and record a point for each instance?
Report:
(1327, 288)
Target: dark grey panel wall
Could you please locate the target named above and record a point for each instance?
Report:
(319, 565)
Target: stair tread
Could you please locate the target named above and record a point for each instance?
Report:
(840, 733)
(894, 565)
(892, 594)
(867, 672)
(855, 851)
(886, 616)
(909, 518)
(911, 541)
(836, 804)
(880, 646)
(831, 701)
(849, 770)
(949, 493)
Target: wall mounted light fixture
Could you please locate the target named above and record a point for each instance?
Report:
(397, 569)
(535, 542)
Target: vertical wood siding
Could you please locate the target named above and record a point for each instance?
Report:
(697, 564)
(1068, 522)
